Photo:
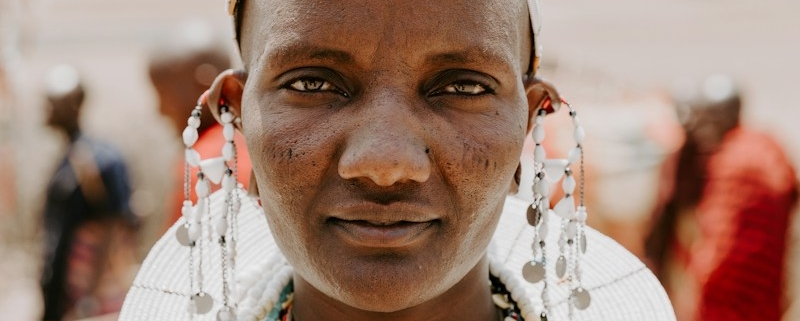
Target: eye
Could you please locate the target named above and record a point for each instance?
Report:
(465, 88)
(461, 90)
(311, 85)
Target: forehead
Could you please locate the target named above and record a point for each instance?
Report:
(364, 27)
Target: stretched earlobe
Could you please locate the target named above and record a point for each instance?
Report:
(541, 95)
(227, 89)
(516, 181)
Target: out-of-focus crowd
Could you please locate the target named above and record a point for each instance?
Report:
(89, 181)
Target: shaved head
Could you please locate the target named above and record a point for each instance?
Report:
(417, 107)
(329, 82)
(266, 11)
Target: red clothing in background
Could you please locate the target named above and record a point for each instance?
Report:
(742, 220)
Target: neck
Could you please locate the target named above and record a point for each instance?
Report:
(469, 299)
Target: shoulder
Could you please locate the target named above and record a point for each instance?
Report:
(620, 285)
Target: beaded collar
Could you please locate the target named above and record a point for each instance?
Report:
(282, 310)
(265, 291)
(270, 298)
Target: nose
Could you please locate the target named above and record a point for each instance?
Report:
(387, 147)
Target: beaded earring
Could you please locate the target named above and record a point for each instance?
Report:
(572, 238)
(199, 224)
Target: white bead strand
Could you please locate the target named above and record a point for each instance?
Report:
(538, 134)
(539, 154)
(225, 225)
(202, 187)
(192, 157)
(229, 182)
(574, 155)
(228, 132)
(572, 240)
(226, 117)
(228, 151)
(190, 136)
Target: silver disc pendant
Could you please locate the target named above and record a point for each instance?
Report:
(561, 266)
(533, 272)
(226, 314)
(581, 298)
(182, 235)
(202, 303)
(534, 215)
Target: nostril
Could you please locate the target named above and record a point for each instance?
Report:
(385, 153)
(386, 168)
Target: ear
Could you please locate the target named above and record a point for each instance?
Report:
(227, 90)
(542, 96)
(514, 189)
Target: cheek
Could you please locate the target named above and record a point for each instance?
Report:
(290, 154)
(479, 167)
(291, 157)
(482, 162)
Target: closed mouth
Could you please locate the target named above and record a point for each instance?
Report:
(382, 234)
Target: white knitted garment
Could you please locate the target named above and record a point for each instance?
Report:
(622, 288)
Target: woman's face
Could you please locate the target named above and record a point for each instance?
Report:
(384, 136)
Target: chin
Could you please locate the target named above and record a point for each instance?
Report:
(386, 283)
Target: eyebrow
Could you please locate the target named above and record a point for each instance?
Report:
(454, 58)
(303, 53)
(293, 54)
(488, 59)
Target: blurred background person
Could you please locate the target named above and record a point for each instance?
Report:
(181, 67)
(9, 61)
(7, 178)
(720, 244)
(87, 220)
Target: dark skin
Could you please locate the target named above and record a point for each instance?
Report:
(64, 110)
(383, 160)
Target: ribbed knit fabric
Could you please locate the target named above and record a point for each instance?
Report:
(622, 288)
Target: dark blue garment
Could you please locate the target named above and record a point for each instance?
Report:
(89, 167)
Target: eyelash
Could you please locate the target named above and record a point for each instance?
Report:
(304, 85)
(308, 82)
(465, 88)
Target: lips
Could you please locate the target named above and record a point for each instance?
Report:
(381, 233)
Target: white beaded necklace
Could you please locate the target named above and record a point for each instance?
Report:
(259, 289)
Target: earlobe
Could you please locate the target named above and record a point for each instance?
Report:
(541, 95)
(227, 89)
(514, 189)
